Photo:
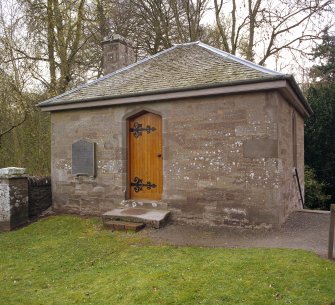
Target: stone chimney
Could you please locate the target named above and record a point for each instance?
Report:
(118, 52)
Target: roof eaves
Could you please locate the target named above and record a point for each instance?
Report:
(239, 60)
(299, 93)
(208, 86)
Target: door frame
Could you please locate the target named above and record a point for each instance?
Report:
(125, 139)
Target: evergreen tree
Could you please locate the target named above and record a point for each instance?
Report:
(325, 52)
(320, 127)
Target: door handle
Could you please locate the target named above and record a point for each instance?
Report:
(159, 155)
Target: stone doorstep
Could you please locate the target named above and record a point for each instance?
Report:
(124, 225)
(150, 217)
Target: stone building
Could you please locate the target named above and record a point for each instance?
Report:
(209, 136)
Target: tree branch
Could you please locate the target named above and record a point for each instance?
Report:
(12, 127)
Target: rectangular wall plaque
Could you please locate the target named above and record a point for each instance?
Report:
(83, 158)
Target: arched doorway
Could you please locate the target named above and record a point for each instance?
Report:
(145, 172)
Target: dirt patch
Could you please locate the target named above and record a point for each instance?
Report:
(308, 231)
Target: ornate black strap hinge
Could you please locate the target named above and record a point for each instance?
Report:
(138, 129)
(138, 185)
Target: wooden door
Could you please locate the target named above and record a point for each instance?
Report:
(145, 157)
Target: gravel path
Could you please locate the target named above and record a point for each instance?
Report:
(302, 230)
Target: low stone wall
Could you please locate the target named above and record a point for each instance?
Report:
(21, 197)
(39, 195)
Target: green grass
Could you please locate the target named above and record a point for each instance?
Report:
(69, 260)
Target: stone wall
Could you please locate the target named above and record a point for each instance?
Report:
(222, 160)
(229, 162)
(21, 197)
(39, 194)
(289, 195)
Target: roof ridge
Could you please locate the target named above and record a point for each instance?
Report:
(109, 75)
(186, 43)
(239, 60)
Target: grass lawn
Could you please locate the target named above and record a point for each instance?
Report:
(69, 260)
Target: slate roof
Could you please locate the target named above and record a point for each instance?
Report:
(189, 65)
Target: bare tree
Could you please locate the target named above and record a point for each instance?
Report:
(188, 15)
(267, 26)
(52, 33)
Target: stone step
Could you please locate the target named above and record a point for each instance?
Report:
(150, 217)
(124, 225)
(146, 204)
